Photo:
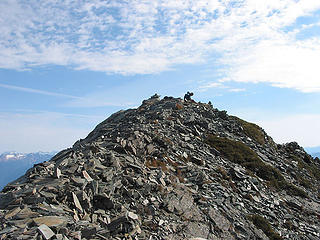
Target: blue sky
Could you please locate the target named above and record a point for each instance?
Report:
(67, 65)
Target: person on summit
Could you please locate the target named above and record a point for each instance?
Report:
(187, 96)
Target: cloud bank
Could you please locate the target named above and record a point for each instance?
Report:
(250, 40)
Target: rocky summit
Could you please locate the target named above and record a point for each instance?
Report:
(169, 169)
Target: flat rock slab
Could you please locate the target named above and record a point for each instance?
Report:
(46, 232)
(51, 220)
(221, 222)
(26, 213)
(77, 203)
(57, 173)
(197, 230)
(6, 199)
(12, 213)
(7, 230)
(87, 176)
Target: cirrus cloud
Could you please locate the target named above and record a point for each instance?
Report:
(251, 40)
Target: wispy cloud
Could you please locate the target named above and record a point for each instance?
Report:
(32, 90)
(219, 85)
(207, 86)
(84, 102)
(253, 41)
(29, 112)
(95, 101)
(237, 90)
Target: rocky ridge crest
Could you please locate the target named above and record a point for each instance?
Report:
(168, 170)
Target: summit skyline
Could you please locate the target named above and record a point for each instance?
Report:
(66, 66)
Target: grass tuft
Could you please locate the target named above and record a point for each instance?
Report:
(240, 153)
(252, 130)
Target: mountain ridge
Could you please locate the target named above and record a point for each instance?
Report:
(315, 154)
(14, 164)
(169, 169)
(14, 155)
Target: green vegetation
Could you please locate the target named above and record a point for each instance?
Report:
(311, 168)
(252, 130)
(288, 225)
(240, 153)
(235, 151)
(293, 190)
(261, 223)
(304, 181)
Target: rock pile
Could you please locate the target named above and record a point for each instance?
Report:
(168, 170)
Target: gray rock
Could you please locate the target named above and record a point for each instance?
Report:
(46, 232)
(220, 221)
(51, 221)
(76, 202)
(102, 202)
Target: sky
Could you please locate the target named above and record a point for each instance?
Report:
(67, 65)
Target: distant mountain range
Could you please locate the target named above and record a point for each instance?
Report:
(14, 164)
(313, 151)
